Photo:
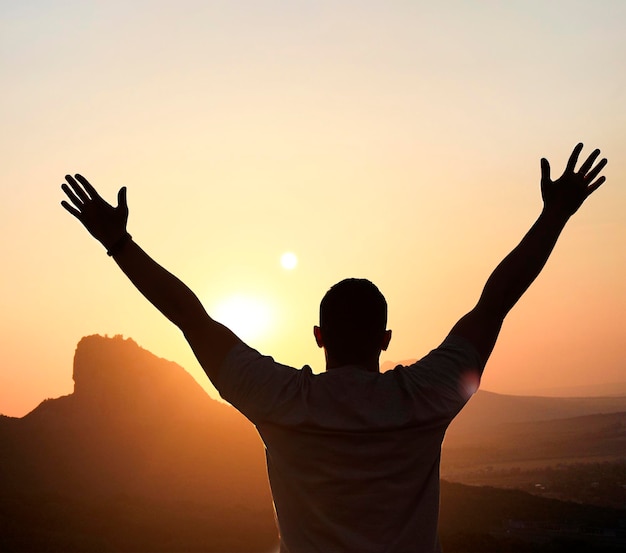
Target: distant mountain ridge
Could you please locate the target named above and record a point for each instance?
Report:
(596, 390)
(603, 389)
(487, 409)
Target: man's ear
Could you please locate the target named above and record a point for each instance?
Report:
(386, 339)
(317, 332)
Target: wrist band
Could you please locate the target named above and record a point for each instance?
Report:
(119, 244)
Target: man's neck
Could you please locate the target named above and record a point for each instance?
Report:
(369, 366)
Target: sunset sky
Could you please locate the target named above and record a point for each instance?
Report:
(393, 140)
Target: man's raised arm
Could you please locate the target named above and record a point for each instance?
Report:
(511, 278)
(210, 340)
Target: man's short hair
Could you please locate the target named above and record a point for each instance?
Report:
(353, 319)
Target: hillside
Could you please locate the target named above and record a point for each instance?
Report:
(537, 444)
(141, 436)
(488, 409)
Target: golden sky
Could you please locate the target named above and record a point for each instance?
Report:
(397, 141)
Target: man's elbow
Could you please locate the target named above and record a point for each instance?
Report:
(188, 315)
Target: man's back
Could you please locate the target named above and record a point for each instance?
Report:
(353, 455)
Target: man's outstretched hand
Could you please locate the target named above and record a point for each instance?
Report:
(105, 223)
(566, 194)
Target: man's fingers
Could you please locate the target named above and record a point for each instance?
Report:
(596, 170)
(90, 189)
(76, 188)
(71, 195)
(589, 162)
(71, 209)
(571, 163)
(545, 170)
(594, 186)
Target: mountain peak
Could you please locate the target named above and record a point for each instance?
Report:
(118, 370)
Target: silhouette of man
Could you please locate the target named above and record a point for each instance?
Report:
(352, 454)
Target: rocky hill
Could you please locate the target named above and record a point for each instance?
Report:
(139, 433)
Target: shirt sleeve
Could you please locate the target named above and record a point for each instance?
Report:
(255, 384)
(447, 377)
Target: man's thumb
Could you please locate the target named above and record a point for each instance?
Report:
(545, 169)
(121, 198)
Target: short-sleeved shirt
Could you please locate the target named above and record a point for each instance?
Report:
(353, 455)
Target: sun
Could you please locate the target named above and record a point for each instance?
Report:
(288, 260)
(248, 317)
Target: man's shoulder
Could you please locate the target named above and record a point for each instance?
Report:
(255, 383)
(453, 348)
(453, 369)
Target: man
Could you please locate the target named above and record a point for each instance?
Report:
(352, 453)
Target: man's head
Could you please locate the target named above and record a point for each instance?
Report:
(353, 320)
